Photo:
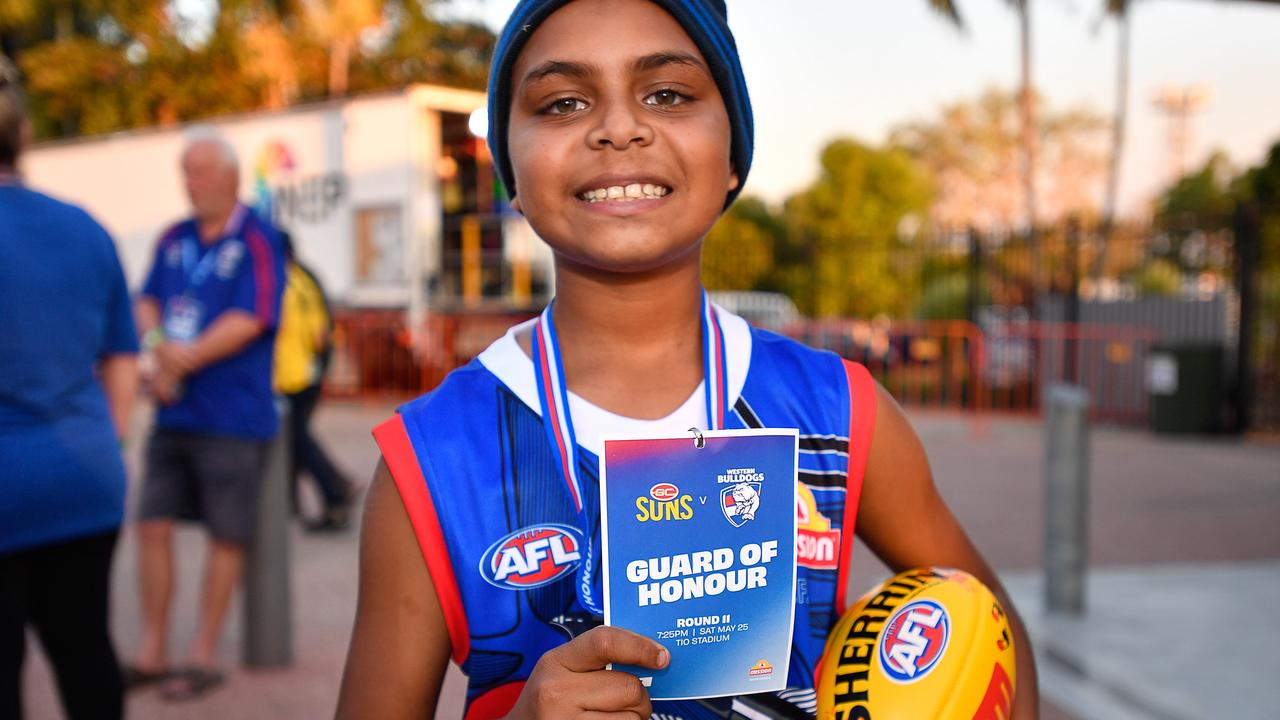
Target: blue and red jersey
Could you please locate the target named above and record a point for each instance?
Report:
(474, 468)
(197, 282)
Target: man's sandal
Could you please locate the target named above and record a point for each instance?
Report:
(190, 683)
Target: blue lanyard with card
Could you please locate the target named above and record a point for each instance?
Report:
(553, 395)
(184, 314)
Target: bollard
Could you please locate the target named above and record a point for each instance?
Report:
(1066, 538)
(267, 639)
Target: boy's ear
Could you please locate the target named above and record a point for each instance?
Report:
(733, 181)
(515, 205)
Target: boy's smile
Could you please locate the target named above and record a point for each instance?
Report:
(619, 138)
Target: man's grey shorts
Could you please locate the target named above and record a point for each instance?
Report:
(211, 478)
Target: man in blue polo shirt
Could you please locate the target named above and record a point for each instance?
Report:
(208, 312)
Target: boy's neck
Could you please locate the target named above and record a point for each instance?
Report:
(631, 344)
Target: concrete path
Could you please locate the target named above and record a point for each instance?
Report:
(1183, 534)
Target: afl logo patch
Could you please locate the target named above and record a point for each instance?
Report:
(914, 640)
(532, 557)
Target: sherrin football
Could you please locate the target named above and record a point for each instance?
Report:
(927, 643)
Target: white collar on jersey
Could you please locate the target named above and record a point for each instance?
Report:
(513, 368)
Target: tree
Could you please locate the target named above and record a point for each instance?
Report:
(1026, 101)
(847, 223)
(738, 253)
(972, 152)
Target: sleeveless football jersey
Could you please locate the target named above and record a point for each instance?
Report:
(500, 535)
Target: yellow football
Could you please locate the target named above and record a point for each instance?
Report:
(926, 643)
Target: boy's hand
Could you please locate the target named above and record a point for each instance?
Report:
(570, 681)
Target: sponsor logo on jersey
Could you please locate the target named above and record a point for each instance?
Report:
(664, 502)
(740, 502)
(913, 640)
(817, 545)
(532, 557)
(761, 669)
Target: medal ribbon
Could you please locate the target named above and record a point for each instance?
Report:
(553, 395)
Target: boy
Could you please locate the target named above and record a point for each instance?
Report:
(622, 129)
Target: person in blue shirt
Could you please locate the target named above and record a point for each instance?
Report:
(68, 376)
(208, 313)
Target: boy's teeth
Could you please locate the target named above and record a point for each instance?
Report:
(625, 193)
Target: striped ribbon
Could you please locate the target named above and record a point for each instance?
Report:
(553, 395)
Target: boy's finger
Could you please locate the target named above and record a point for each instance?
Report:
(603, 645)
(615, 691)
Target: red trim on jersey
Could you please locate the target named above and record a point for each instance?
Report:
(862, 420)
(495, 703)
(397, 450)
(263, 277)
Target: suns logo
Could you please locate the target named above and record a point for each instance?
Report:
(664, 503)
(913, 640)
(532, 557)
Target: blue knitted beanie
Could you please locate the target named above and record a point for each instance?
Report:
(706, 22)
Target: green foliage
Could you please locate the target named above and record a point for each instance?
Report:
(95, 66)
(947, 298)
(1158, 277)
(846, 222)
(1201, 200)
(738, 253)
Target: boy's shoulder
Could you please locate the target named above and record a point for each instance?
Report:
(783, 352)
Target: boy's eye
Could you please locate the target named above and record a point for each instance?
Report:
(564, 106)
(666, 97)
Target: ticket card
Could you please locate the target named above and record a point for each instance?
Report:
(699, 554)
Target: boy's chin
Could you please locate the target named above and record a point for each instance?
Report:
(632, 256)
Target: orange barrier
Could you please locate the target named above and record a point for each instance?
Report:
(376, 354)
(946, 365)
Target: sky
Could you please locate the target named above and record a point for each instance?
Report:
(820, 69)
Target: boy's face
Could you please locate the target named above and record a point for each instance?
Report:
(611, 95)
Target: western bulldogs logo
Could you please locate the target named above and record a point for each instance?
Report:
(740, 502)
(914, 640)
(532, 557)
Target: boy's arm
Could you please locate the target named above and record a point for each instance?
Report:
(906, 523)
(399, 646)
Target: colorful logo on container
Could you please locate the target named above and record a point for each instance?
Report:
(274, 161)
(532, 557)
(914, 640)
(740, 502)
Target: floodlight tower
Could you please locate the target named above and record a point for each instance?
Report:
(1178, 104)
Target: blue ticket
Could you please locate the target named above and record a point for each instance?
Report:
(699, 554)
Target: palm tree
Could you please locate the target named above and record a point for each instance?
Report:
(1119, 9)
(1026, 105)
(1026, 97)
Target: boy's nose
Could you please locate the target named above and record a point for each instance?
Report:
(620, 124)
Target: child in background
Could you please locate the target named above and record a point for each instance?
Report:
(622, 130)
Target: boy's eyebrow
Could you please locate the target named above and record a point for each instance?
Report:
(580, 70)
(661, 59)
(567, 68)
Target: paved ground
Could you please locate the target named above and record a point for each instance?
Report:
(1184, 539)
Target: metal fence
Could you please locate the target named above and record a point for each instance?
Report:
(939, 365)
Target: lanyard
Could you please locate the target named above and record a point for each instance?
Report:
(554, 398)
(193, 271)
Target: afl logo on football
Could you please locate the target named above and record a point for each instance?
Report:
(913, 640)
(662, 492)
(532, 557)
